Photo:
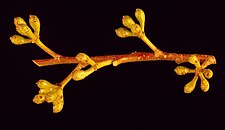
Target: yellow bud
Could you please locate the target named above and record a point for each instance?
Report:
(58, 103)
(123, 33)
(23, 29)
(45, 84)
(140, 15)
(81, 74)
(194, 60)
(102, 64)
(18, 40)
(35, 24)
(58, 106)
(51, 96)
(19, 20)
(181, 70)
(127, 21)
(39, 98)
(45, 90)
(136, 30)
(204, 83)
(190, 86)
(83, 58)
(207, 73)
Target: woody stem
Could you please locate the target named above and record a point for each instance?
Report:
(132, 57)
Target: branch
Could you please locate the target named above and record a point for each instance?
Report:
(132, 57)
(53, 93)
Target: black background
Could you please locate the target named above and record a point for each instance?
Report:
(142, 96)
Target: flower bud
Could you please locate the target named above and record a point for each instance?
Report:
(45, 90)
(123, 33)
(35, 24)
(190, 86)
(39, 98)
(194, 60)
(23, 29)
(83, 58)
(136, 30)
(45, 84)
(19, 20)
(127, 21)
(207, 73)
(18, 40)
(204, 83)
(81, 74)
(102, 64)
(59, 102)
(51, 96)
(140, 15)
(181, 70)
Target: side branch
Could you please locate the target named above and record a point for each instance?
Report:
(132, 57)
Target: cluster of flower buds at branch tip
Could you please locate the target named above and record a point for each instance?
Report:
(135, 29)
(199, 71)
(51, 94)
(23, 29)
(82, 58)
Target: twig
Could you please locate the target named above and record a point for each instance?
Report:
(53, 93)
(132, 57)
